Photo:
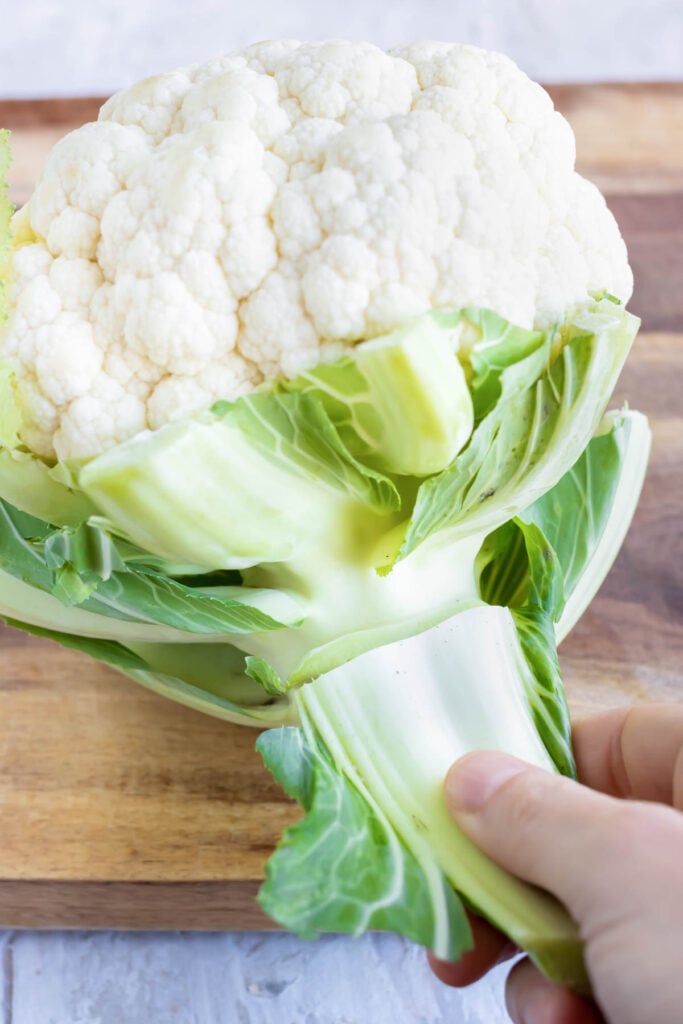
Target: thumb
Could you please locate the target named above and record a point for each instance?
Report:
(586, 848)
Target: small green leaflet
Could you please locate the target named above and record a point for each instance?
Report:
(81, 559)
(259, 670)
(343, 868)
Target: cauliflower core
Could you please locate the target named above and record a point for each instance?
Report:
(239, 221)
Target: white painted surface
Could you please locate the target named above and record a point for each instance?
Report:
(63, 978)
(83, 47)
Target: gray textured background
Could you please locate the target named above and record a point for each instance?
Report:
(231, 979)
(71, 47)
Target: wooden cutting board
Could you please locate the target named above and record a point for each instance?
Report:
(120, 809)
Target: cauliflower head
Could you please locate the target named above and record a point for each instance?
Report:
(235, 222)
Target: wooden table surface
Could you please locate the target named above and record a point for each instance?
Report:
(121, 810)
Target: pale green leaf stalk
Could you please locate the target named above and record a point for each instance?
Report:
(436, 692)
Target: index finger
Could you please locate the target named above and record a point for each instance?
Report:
(491, 947)
(634, 752)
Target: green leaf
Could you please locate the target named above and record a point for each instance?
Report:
(496, 347)
(296, 430)
(574, 512)
(265, 675)
(399, 402)
(37, 606)
(208, 702)
(535, 627)
(544, 418)
(502, 567)
(522, 571)
(82, 566)
(544, 689)
(150, 597)
(87, 548)
(290, 760)
(211, 678)
(545, 589)
(18, 555)
(584, 519)
(586, 516)
(208, 678)
(108, 651)
(343, 868)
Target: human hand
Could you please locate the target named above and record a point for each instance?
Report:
(608, 849)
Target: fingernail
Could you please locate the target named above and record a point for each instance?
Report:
(473, 780)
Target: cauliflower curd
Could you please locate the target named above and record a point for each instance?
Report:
(244, 220)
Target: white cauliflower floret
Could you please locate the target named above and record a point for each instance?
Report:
(178, 396)
(236, 222)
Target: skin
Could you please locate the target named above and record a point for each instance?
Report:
(611, 848)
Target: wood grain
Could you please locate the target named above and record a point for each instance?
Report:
(652, 228)
(629, 138)
(120, 809)
(101, 780)
(134, 906)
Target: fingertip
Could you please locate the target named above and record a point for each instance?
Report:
(474, 778)
(490, 948)
(531, 998)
